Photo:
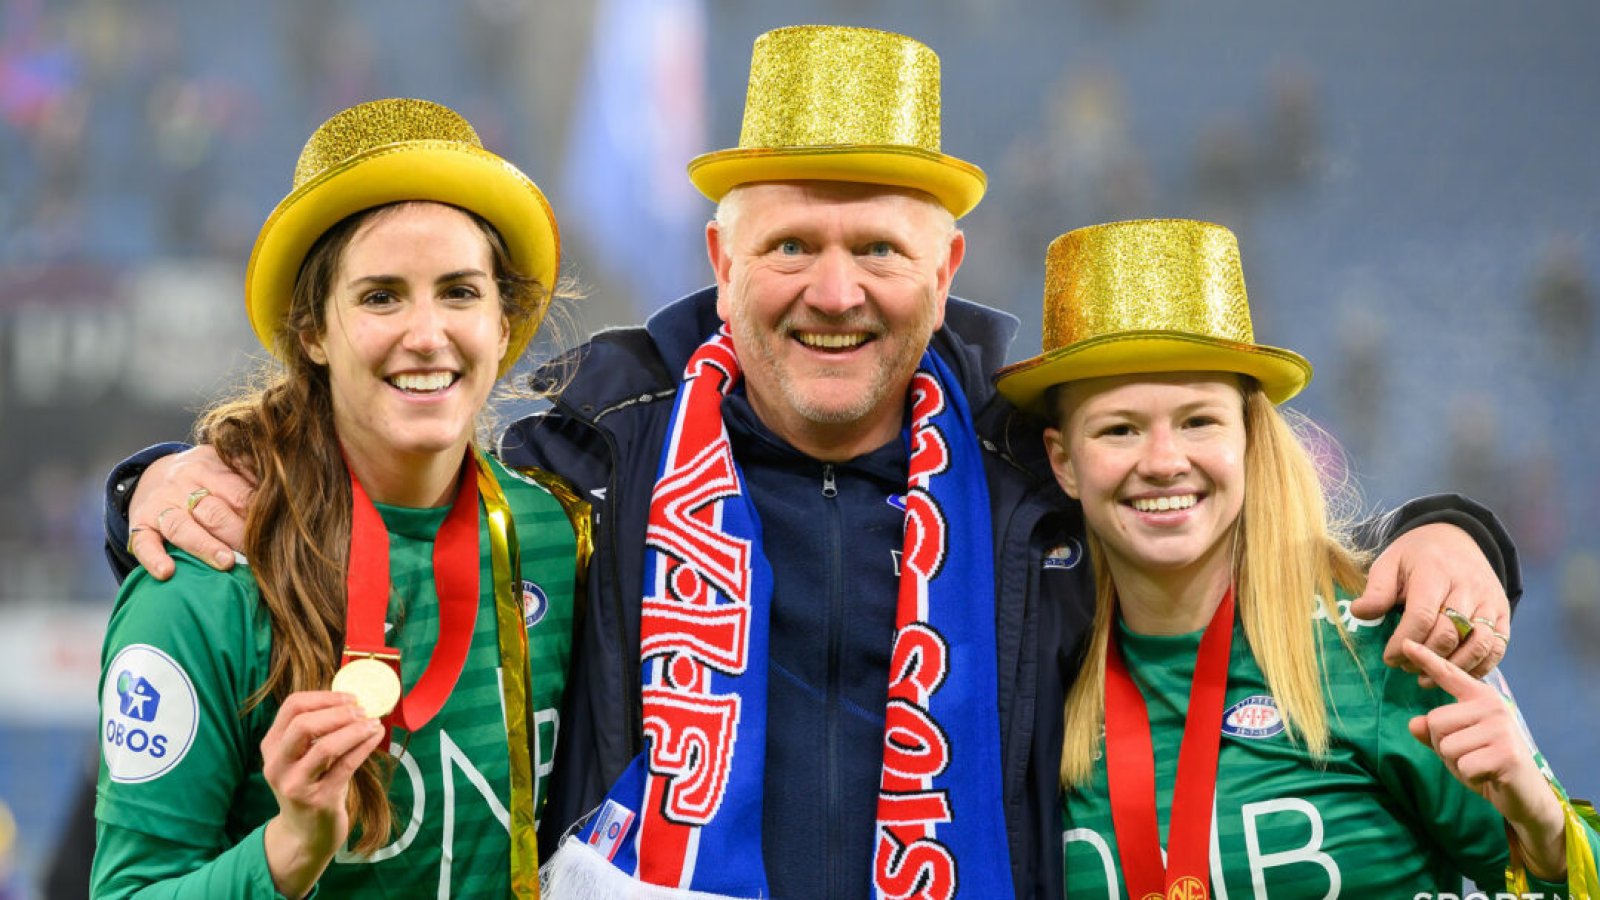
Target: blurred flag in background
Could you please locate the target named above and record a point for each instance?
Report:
(640, 118)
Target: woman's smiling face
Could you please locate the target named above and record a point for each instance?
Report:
(1157, 460)
(414, 335)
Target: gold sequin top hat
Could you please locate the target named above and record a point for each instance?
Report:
(828, 103)
(388, 151)
(1156, 295)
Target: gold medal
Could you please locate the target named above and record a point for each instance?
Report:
(374, 685)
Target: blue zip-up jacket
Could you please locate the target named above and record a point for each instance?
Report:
(829, 534)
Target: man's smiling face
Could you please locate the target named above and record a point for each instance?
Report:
(832, 292)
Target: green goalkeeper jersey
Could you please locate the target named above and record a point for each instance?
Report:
(1379, 816)
(182, 799)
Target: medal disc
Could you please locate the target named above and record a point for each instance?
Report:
(374, 685)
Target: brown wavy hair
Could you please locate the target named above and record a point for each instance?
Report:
(297, 528)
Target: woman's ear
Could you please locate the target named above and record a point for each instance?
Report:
(1055, 445)
(312, 344)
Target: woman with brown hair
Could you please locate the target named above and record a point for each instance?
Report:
(366, 703)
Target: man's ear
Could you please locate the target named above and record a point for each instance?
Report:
(1055, 444)
(946, 275)
(721, 256)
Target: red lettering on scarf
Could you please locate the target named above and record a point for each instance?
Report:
(914, 808)
(927, 400)
(926, 536)
(930, 455)
(920, 657)
(688, 627)
(923, 869)
(715, 636)
(692, 745)
(913, 744)
(910, 861)
(681, 522)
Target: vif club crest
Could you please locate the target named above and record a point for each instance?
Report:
(1255, 717)
(535, 603)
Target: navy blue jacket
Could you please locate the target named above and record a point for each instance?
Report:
(830, 535)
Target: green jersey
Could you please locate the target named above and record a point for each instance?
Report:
(182, 799)
(1380, 816)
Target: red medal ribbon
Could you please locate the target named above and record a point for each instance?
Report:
(1131, 771)
(455, 578)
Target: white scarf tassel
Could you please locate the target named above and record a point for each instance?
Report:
(578, 872)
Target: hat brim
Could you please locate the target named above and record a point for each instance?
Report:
(957, 185)
(438, 171)
(1281, 373)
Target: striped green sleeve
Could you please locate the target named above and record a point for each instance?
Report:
(129, 863)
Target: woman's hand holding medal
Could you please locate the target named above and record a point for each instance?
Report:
(315, 745)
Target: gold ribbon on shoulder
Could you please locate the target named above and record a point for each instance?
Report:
(515, 687)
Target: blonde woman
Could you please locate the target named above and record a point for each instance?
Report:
(363, 705)
(1233, 730)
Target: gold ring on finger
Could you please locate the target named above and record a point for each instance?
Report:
(1462, 623)
(196, 495)
(131, 532)
(1504, 638)
(1485, 621)
(162, 515)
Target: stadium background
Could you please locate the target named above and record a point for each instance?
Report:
(1415, 187)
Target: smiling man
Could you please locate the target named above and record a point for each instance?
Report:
(835, 591)
(832, 291)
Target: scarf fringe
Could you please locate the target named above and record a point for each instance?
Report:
(578, 872)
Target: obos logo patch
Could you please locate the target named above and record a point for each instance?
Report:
(1064, 556)
(148, 716)
(1254, 717)
(534, 604)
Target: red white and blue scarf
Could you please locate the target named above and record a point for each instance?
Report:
(684, 820)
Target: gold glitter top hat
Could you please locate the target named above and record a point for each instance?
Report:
(389, 151)
(828, 103)
(1156, 295)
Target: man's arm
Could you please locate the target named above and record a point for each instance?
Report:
(120, 485)
(171, 492)
(1443, 552)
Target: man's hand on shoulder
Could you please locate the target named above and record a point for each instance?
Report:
(193, 500)
(1454, 602)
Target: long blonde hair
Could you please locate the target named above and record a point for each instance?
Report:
(297, 528)
(1288, 550)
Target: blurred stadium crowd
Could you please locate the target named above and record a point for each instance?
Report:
(1415, 190)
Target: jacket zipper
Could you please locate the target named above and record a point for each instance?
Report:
(830, 490)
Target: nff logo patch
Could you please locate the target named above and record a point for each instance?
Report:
(149, 713)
